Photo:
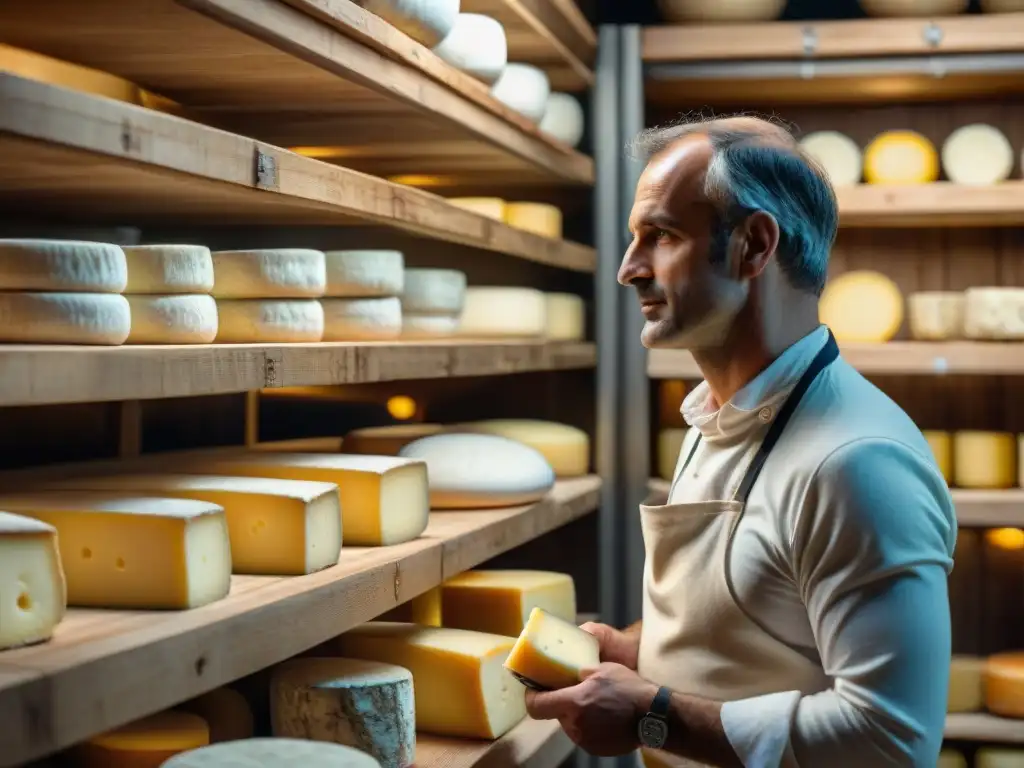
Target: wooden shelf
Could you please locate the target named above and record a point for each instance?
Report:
(302, 73)
(978, 726)
(107, 668)
(941, 204)
(93, 159)
(897, 358)
(531, 744)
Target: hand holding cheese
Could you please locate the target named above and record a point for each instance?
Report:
(552, 652)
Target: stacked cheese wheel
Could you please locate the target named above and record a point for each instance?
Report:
(432, 302)
(540, 218)
(169, 294)
(976, 459)
(982, 313)
(362, 295)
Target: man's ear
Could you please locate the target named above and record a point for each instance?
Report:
(760, 240)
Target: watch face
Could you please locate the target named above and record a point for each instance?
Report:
(653, 731)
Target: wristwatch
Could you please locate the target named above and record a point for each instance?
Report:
(653, 727)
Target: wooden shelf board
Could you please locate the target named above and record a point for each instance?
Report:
(978, 726)
(107, 668)
(941, 204)
(897, 358)
(76, 155)
(284, 76)
(531, 744)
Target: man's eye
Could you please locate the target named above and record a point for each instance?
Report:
(662, 234)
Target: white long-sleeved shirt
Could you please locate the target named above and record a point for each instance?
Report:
(843, 553)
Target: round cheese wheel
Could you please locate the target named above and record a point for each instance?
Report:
(936, 315)
(64, 318)
(1002, 6)
(386, 441)
(62, 265)
(434, 292)
(950, 758)
(494, 311)
(273, 753)
(563, 118)
(491, 207)
(966, 693)
(175, 319)
(566, 448)
(467, 471)
(429, 326)
(524, 88)
(838, 154)
(985, 460)
(425, 21)
(146, 742)
(977, 155)
(279, 273)
(362, 319)
(225, 711)
(863, 306)
(717, 11)
(900, 157)
(566, 317)
(476, 45)
(355, 274)
(540, 218)
(994, 314)
(255, 321)
(901, 8)
(163, 269)
(941, 444)
(1004, 684)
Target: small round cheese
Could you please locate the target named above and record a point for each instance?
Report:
(936, 315)
(977, 155)
(719, 11)
(965, 684)
(255, 321)
(269, 274)
(994, 314)
(491, 207)
(900, 157)
(225, 711)
(62, 265)
(362, 319)
(563, 118)
(355, 274)
(163, 269)
(64, 318)
(566, 448)
(434, 292)
(476, 45)
(386, 441)
(495, 312)
(429, 326)
(147, 742)
(863, 306)
(467, 471)
(566, 317)
(523, 88)
(1004, 684)
(273, 753)
(908, 8)
(425, 21)
(838, 154)
(180, 319)
(540, 218)
(984, 460)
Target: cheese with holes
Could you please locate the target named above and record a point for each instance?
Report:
(492, 312)
(837, 153)
(468, 471)
(501, 602)
(362, 319)
(999, 757)
(551, 652)
(367, 705)
(984, 459)
(425, 21)
(277, 527)
(566, 448)
(424, 610)
(563, 118)
(951, 758)
(670, 443)
(434, 292)
(491, 207)
(64, 318)
(281, 273)
(941, 444)
(62, 266)
(429, 326)
(273, 753)
(358, 274)
(716, 11)
(900, 157)
(523, 88)
(174, 319)
(539, 218)
(386, 441)
(144, 743)
(936, 315)
(566, 315)
(460, 684)
(908, 8)
(33, 593)
(994, 314)
(477, 45)
(965, 684)
(384, 499)
(121, 551)
(252, 321)
(226, 712)
(1004, 684)
(977, 155)
(862, 306)
(162, 269)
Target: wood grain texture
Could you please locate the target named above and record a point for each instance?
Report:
(531, 744)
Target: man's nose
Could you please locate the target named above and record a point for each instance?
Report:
(635, 268)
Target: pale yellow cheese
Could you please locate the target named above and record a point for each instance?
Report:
(122, 551)
(900, 157)
(965, 684)
(172, 319)
(429, 326)
(539, 218)
(254, 321)
(984, 459)
(837, 153)
(371, 319)
(387, 441)
(460, 684)
(501, 601)
(977, 155)
(552, 652)
(566, 317)
(951, 758)
(226, 713)
(163, 269)
(62, 266)
(566, 448)
(936, 315)
(1004, 684)
(33, 592)
(491, 311)
(862, 306)
(64, 318)
(670, 443)
(281, 273)
(362, 274)
(145, 743)
(994, 314)
(491, 207)
(999, 757)
(272, 753)
(941, 444)
(424, 610)
(277, 527)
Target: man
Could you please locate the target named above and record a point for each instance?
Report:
(795, 608)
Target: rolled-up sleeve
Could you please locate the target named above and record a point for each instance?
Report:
(871, 551)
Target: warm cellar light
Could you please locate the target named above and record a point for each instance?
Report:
(1006, 538)
(401, 407)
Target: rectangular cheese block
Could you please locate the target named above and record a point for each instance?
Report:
(33, 593)
(460, 685)
(424, 610)
(551, 652)
(277, 527)
(384, 499)
(123, 551)
(501, 602)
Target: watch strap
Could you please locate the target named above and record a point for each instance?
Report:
(662, 702)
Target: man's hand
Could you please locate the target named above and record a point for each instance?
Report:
(617, 646)
(601, 713)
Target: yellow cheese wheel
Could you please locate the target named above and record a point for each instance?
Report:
(862, 306)
(566, 448)
(900, 157)
(539, 218)
(984, 459)
(941, 444)
(1004, 684)
(145, 743)
(966, 693)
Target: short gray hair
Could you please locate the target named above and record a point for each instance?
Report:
(757, 165)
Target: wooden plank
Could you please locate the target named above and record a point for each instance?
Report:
(106, 668)
(978, 726)
(72, 154)
(930, 205)
(531, 744)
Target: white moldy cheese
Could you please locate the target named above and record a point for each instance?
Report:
(280, 273)
(163, 269)
(62, 266)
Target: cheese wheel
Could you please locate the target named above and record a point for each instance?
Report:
(670, 443)
(563, 118)
(491, 207)
(936, 315)
(838, 154)
(429, 326)
(1002, 6)
(254, 321)
(984, 459)
(994, 313)
(367, 705)
(64, 318)
(424, 610)
(965, 684)
(539, 218)
(33, 591)
(362, 319)
(1004, 684)
(434, 292)
(62, 266)
(862, 306)
(145, 743)
(566, 448)
(471, 471)
(523, 88)
(226, 713)
(491, 312)
(565, 317)
(551, 652)
(386, 441)
(273, 753)
(501, 601)
(941, 444)
(269, 274)
(951, 758)
(900, 157)
(176, 319)
(164, 269)
(476, 45)
(907, 8)
(357, 274)
(977, 155)
(717, 11)
(425, 21)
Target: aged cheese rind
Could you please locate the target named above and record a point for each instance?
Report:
(364, 274)
(283, 273)
(62, 266)
(434, 292)
(273, 753)
(862, 306)
(64, 318)
(499, 312)
(163, 269)
(254, 321)
(143, 743)
(565, 317)
(387, 440)
(362, 319)
(552, 652)
(476, 44)
(226, 713)
(502, 601)
(523, 88)
(936, 315)
(566, 448)
(172, 319)
(33, 591)
(994, 314)
(984, 459)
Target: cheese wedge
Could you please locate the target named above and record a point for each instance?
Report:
(226, 713)
(33, 592)
(143, 743)
(502, 601)
(551, 652)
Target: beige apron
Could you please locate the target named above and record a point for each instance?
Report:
(696, 638)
